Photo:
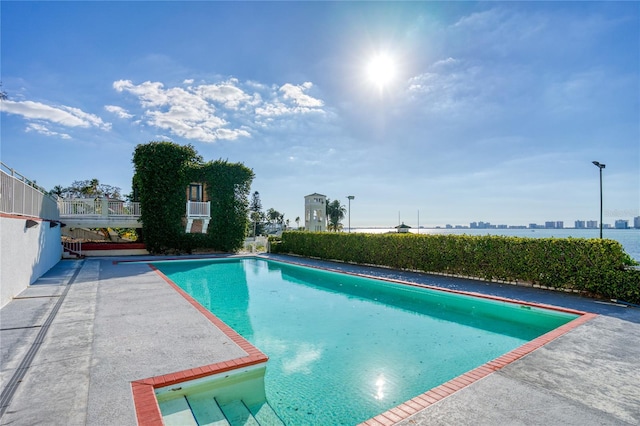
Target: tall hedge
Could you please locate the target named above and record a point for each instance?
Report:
(598, 266)
(163, 170)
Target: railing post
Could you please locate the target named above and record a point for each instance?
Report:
(13, 193)
(105, 206)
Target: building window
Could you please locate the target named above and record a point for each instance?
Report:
(195, 192)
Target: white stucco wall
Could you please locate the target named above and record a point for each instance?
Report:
(25, 254)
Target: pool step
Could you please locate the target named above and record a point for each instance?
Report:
(205, 410)
(238, 414)
(265, 415)
(177, 412)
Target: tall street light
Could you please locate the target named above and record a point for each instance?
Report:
(350, 197)
(600, 166)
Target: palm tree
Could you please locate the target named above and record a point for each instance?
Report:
(335, 213)
(298, 221)
(92, 188)
(57, 190)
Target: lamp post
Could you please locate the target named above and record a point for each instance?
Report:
(350, 197)
(600, 166)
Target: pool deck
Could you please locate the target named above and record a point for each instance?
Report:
(74, 341)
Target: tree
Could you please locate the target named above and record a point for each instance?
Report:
(298, 221)
(273, 215)
(256, 214)
(335, 213)
(3, 94)
(57, 190)
(91, 188)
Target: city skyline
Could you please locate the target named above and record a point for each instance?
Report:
(633, 222)
(459, 110)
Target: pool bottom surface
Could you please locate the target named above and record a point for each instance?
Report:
(343, 348)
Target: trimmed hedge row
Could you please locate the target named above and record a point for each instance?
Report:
(597, 266)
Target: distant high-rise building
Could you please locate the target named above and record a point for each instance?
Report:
(549, 225)
(592, 224)
(636, 222)
(481, 225)
(622, 224)
(559, 224)
(579, 224)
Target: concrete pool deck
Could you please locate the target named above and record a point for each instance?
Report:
(119, 323)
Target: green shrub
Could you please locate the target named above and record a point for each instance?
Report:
(595, 266)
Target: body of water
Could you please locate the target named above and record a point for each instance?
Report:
(629, 238)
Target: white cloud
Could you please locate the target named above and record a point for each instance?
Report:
(61, 115)
(43, 130)
(225, 110)
(447, 85)
(119, 111)
(226, 94)
(273, 109)
(297, 95)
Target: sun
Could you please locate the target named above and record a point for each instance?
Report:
(381, 70)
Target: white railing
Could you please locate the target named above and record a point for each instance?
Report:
(80, 207)
(95, 207)
(73, 246)
(198, 209)
(121, 208)
(19, 195)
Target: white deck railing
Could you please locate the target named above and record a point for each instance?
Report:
(95, 207)
(198, 209)
(19, 195)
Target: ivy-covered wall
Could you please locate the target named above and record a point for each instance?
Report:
(163, 170)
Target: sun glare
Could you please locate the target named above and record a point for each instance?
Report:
(381, 70)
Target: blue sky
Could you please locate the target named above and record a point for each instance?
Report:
(494, 113)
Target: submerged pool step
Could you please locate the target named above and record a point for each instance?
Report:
(203, 410)
(265, 415)
(206, 411)
(238, 414)
(177, 412)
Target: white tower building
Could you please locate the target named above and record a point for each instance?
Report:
(315, 212)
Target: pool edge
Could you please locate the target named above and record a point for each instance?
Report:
(409, 408)
(148, 411)
(143, 391)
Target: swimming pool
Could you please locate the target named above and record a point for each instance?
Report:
(344, 348)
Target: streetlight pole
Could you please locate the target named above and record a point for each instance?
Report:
(350, 197)
(600, 166)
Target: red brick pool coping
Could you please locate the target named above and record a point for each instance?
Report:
(144, 397)
(148, 411)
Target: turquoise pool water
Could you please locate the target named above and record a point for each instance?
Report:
(343, 348)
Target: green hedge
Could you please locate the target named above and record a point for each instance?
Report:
(597, 266)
